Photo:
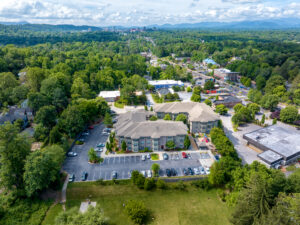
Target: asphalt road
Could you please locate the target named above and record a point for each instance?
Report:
(121, 164)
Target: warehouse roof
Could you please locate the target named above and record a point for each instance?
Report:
(281, 140)
(166, 82)
(199, 112)
(270, 157)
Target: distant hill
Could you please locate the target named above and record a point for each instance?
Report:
(259, 24)
(51, 28)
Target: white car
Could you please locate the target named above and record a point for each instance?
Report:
(72, 154)
(196, 171)
(149, 173)
(143, 157)
(207, 170)
(143, 173)
(99, 149)
(148, 156)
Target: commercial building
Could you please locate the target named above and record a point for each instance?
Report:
(228, 100)
(201, 117)
(226, 75)
(165, 83)
(139, 133)
(279, 145)
(110, 96)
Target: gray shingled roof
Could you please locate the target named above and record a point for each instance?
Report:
(198, 112)
(134, 125)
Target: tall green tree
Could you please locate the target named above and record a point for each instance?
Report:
(14, 148)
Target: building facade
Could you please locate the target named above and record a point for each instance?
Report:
(226, 75)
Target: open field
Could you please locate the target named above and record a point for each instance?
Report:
(176, 207)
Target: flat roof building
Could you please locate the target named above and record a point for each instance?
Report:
(226, 74)
(165, 83)
(280, 145)
(228, 100)
(110, 96)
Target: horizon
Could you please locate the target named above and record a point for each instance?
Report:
(140, 13)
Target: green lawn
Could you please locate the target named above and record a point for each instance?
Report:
(154, 156)
(51, 214)
(190, 207)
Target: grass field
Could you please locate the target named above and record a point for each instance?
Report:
(168, 207)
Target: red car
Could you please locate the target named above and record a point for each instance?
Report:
(91, 127)
(184, 155)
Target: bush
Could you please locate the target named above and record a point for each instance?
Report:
(180, 186)
(149, 184)
(140, 181)
(203, 184)
(221, 109)
(137, 211)
(155, 167)
(289, 114)
(153, 118)
(161, 184)
(207, 102)
(189, 89)
(79, 143)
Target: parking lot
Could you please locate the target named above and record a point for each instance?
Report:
(122, 164)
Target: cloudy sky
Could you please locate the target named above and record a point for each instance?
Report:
(144, 12)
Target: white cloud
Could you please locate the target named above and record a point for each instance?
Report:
(143, 12)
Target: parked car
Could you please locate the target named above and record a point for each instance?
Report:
(99, 149)
(168, 172)
(72, 154)
(105, 133)
(71, 177)
(173, 172)
(86, 133)
(81, 139)
(143, 172)
(115, 121)
(91, 127)
(189, 156)
(207, 170)
(143, 157)
(191, 172)
(165, 156)
(196, 171)
(84, 176)
(114, 175)
(149, 173)
(100, 145)
(185, 171)
(148, 156)
(108, 130)
(202, 171)
(184, 155)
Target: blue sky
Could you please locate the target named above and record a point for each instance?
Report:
(144, 12)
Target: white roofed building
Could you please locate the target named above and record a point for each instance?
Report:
(110, 96)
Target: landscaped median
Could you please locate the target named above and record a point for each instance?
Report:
(179, 203)
(154, 156)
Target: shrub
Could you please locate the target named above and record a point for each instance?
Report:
(153, 118)
(203, 184)
(149, 184)
(207, 102)
(289, 114)
(137, 211)
(180, 185)
(79, 143)
(161, 184)
(155, 167)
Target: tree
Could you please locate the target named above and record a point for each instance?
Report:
(34, 78)
(55, 135)
(93, 158)
(188, 89)
(14, 148)
(181, 117)
(260, 82)
(93, 216)
(273, 82)
(289, 114)
(46, 116)
(221, 109)
(80, 89)
(209, 85)
(253, 202)
(187, 142)
(108, 120)
(170, 145)
(136, 210)
(237, 107)
(243, 115)
(124, 146)
(196, 98)
(155, 168)
(42, 168)
(37, 100)
(208, 102)
(253, 107)
(269, 102)
(167, 117)
(263, 119)
(153, 118)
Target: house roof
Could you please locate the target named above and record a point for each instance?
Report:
(163, 91)
(198, 112)
(109, 94)
(227, 99)
(13, 114)
(208, 61)
(135, 125)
